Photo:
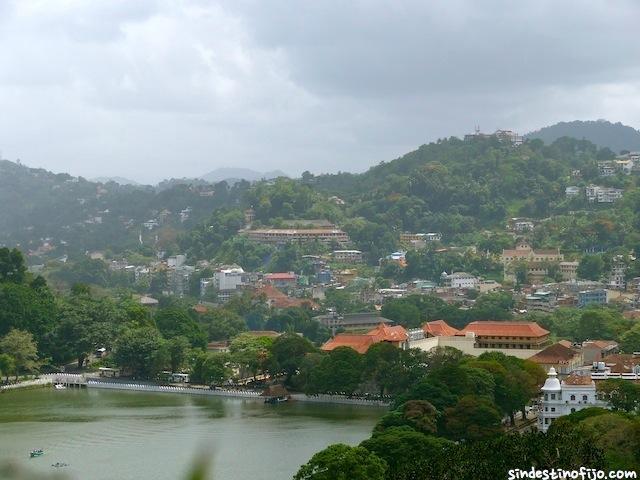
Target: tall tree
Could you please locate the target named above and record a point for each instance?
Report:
(20, 346)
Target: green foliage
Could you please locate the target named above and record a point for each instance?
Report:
(622, 395)
(141, 351)
(342, 462)
(222, 324)
(175, 321)
(287, 354)
(12, 268)
(22, 350)
(210, 368)
(591, 267)
(340, 372)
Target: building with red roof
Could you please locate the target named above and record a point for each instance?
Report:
(564, 359)
(281, 279)
(277, 299)
(439, 328)
(395, 335)
(507, 335)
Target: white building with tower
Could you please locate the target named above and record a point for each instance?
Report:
(574, 393)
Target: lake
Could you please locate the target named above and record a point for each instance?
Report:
(109, 435)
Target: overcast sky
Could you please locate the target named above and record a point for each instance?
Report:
(150, 89)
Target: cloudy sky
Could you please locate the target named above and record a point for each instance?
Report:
(149, 89)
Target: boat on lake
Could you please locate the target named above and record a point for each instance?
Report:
(38, 452)
(59, 386)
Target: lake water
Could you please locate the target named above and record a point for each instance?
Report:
(107, 435)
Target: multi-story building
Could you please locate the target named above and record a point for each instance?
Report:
(179, 279)
(352, 321)
(569, 270)
(280, 236)
(596, 296)
(596, 193)
(572, 191)
(407, 238)
(541, 301)
(574, 393)
(460, 280)
(606, 168)
(347, 256)
(617, 276)
(508, 335)
(281, 279)
(536, 260)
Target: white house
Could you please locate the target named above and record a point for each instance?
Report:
(574, 393)
(460, 280)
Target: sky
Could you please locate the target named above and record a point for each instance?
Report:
(154, 89)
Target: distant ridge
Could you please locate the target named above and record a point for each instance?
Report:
(233, 175)
(603, 133)
(118, 180)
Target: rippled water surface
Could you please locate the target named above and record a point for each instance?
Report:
(107, 435)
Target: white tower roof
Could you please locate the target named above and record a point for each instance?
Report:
(552, 384)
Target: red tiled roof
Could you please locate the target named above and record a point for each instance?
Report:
(566, 343)
(556, 353)
(360, 343)
(280, 276)
(505, 329)
(631, 314)
(439, 328)
(279, 300)
(385, 333)
(599, 344)
(199, 308)
(574, 379)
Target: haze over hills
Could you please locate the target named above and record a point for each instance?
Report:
(118, 180)
(603, 133)
(233, 175)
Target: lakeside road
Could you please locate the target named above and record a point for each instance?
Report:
(78, 380)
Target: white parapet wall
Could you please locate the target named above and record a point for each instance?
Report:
(467, 345)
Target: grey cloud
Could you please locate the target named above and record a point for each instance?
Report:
(159, 88)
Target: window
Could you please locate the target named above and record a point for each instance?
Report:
(553, 396)
(546, 397)
(546, 409)
(546, 421)
(573, 397)
(584, 398)
(573, 410)
(553, 409)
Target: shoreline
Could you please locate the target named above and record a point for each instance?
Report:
(80, 381)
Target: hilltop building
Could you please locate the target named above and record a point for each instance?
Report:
(537, 261)
(281, 236)
(396, 336)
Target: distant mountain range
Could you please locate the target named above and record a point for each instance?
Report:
(233, 175)
(616, 136)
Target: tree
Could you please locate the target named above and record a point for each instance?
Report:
(342, 462)
(591, 267)
(288, 352)
(340, 371)
(20, 346)
(223, 324)
(400, 447)
(402, 312)
(174, 321)
(178, 348)
(472, 418)
(622, 395)
(210, 368)
(141, 351)
(12, 267)
(252, 354)
(7, 365)
(630, 340)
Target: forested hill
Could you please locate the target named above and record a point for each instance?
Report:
(58, 214)
(455, 185)
(615, 136)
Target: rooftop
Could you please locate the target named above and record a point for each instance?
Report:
(360, 343)
(505, 329)
(439, 328)
(556, 353)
